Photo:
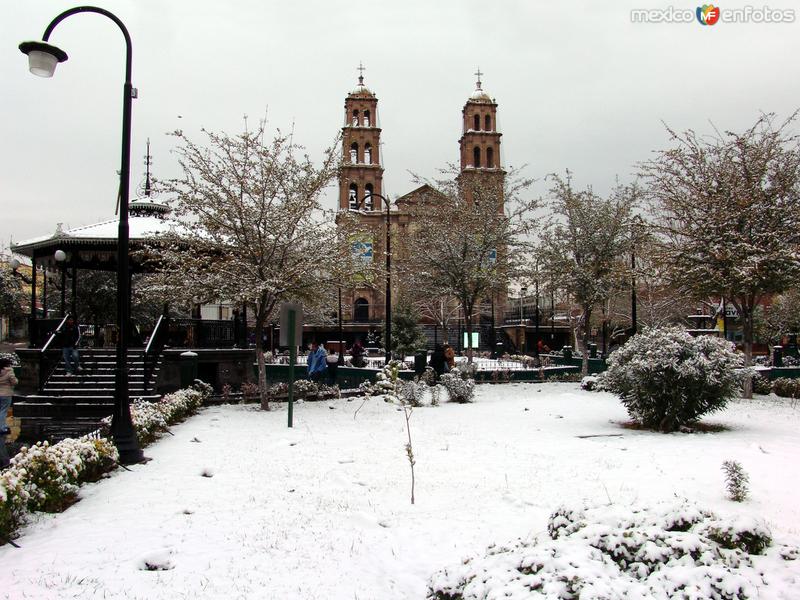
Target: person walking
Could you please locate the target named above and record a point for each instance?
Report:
(70, 337)
(316, 362)
(332, 362)
(7, 382)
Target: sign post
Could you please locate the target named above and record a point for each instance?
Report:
(292, 360)
(291, 334)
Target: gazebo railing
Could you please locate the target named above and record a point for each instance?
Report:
(201, 333)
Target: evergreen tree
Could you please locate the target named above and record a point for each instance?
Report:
(407, 335)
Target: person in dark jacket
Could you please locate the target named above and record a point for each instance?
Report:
(438, 362)
(70, 336)
(357, 352)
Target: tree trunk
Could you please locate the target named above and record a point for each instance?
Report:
(262, 371)
(587, 329)
(747, 327)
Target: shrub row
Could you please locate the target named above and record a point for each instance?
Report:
(46, 477)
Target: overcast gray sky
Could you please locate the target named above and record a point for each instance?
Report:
(579, 86)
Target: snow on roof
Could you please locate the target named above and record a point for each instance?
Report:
(140, 226)
(480, 95)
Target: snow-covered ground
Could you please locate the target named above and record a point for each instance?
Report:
(322, 510)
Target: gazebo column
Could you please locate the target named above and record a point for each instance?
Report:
(32, 318)
(44, 291)
(63, 290)
(73, 304)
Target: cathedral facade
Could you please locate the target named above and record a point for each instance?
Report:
(361, 187)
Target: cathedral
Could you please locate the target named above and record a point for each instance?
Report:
(361, 185)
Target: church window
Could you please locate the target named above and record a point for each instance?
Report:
(361, 310)
(477, 123)
(368, 203)
(368, 154)
(476, 157)
(352, 196)
(488, 123)
(366, 118)
(355, 118)
(490, 158)
(354, 152)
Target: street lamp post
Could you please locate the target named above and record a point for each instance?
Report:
(43, 59)
(61, 257)
(388, 310)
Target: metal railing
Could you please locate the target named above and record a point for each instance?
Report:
(152, 351)
(45, 369)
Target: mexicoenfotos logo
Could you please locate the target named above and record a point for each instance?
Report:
(708, 14)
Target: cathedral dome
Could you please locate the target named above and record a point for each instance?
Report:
(480, 95)
(362, 90)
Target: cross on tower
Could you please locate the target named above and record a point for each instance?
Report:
(478, 73)
(360, 73)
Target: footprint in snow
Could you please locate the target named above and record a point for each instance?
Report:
(195, 440)
(207, 472)
(346, 461)
(156, 560)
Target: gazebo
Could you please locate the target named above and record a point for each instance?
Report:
(55, 404)
(91, 247)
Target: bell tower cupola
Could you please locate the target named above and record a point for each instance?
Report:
(480, 140)
(361, 173)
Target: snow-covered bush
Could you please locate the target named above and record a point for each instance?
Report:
(152, 419)
(465, 370)
(663, 552)
(13, 502)
(459, 389)
(387, 383)
(304, 388)
(589, 383)
(736, 480)
(761, 385)
(50, 475)
(666, 378)
(791, 361)
(204, 388)
(786, 388)
(11, 356)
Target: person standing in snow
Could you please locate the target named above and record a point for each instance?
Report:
(316, 362)
(7, 382)
(357, 352)
(70, 336)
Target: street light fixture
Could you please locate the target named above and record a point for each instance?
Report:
(43, 58)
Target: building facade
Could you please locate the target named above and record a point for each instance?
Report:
(361, 188)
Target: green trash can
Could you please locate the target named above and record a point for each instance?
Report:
(188, 368)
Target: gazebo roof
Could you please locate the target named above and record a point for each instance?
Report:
(147, 220)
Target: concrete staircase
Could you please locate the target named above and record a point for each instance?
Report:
(71, 405)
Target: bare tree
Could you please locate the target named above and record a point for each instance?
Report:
(582, 246)
(468, 237)
(252, 228)
(729, 214)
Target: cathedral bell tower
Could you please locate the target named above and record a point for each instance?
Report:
(361, 173)
(480, 140)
